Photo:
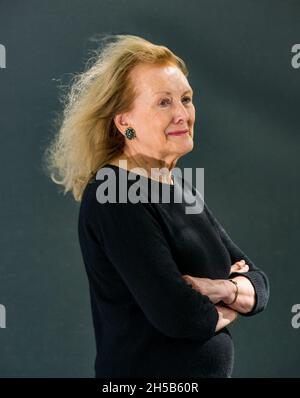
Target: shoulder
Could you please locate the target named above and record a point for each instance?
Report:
(107, 199)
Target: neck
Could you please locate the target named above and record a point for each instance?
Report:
(156, 169)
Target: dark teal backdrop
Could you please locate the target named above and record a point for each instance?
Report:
(247, 97)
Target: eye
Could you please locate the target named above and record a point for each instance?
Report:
(167, 101)
(189, 99)
(164, 102)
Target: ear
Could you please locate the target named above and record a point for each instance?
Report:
(121, 122)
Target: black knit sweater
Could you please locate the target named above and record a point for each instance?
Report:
(148, 321)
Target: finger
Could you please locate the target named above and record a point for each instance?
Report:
(239, 264)
(239, 268)
(188, 279)
(243, 269)
(234, 268)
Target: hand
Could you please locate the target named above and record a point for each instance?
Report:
(217, 289)
(239, 266)
(226, 316)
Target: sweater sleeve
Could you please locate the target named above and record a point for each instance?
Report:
(256, 276)
(134, 243)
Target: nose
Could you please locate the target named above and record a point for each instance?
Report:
(180, 113)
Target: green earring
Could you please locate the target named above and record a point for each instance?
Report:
(130, 133)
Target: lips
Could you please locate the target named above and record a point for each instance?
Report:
(179, 132)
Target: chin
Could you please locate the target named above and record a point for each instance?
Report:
(187, 148)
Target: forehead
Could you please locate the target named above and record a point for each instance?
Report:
(154, 79)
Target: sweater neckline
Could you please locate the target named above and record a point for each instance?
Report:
(171, 186)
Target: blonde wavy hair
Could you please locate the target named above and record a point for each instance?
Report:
(87, 137)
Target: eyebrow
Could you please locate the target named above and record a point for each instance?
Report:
(169, 93)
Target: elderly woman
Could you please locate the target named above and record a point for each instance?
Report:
(164, 284)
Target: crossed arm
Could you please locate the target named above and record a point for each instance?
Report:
(221, 292)
(253, 283)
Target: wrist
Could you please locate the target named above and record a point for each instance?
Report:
(231, 292)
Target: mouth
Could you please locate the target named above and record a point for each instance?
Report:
(179, 132)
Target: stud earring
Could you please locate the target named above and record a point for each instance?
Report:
(130, 133)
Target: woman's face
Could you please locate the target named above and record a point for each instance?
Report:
(163, 105)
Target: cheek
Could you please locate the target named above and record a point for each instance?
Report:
(153, 130)
(159, 122)
(153, 125)
(192, 113)
(150, 118)
(164, 119)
